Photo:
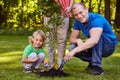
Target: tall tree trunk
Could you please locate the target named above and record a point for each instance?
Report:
(99, 6)
(90, 7)
(6, 12)
(82, 1)
(107, 10)
(22, 25)
(117, 19)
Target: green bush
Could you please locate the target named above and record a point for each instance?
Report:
(16, 32)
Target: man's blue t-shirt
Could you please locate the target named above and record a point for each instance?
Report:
(96, 21)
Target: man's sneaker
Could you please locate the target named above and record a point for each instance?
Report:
(97, 70)
(89, 67)
(27, 71)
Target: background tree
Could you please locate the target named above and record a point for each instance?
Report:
(117, 19)
(107, 10)
(27, 15)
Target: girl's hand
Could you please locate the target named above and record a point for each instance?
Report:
(45, 61)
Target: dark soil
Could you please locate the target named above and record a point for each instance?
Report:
(53, 72)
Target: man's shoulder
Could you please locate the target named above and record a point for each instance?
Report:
(95, 15)
(75, 20)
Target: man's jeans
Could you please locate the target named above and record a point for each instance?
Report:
(104, 48)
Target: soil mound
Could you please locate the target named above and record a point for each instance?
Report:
(53, 72)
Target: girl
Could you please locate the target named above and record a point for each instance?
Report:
(33, 54)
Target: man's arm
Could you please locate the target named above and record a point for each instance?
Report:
(74, 38)
(95, 34)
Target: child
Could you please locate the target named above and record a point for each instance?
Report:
(33, 54)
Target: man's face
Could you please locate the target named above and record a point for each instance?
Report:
(81, 14)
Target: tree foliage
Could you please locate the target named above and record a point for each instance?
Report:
(48, 7)
(28, 14)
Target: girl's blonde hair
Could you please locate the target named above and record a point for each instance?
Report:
(39, 33)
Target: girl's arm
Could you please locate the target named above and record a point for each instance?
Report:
(26, 60)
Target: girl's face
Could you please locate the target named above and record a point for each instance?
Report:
(37, 41)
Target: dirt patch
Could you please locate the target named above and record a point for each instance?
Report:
(53, 72)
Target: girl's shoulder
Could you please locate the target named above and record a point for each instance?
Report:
(29, 46)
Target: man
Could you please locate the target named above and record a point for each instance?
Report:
(66, 6)
(101, 40)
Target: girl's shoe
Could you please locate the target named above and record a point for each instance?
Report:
(27, 70)
(47, 66)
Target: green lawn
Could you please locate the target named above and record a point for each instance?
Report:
(11, 48)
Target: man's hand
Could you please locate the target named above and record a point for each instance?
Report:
(69, 56)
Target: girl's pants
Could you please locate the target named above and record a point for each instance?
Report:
(35, 64)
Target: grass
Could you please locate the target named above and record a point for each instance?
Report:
(11, 48)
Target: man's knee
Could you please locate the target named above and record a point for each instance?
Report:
(72, 47)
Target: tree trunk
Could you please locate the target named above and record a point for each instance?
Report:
(99, 5)
(107, 10)
(90, 7)
(117, 19)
